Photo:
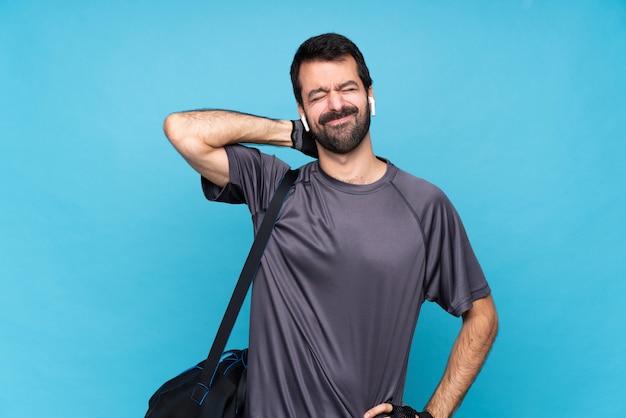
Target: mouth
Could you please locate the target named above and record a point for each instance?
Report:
(340, 121)
(338, 118)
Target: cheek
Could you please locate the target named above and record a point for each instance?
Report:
(313, 112)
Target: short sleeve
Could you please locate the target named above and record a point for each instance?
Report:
(454, 278)
(253, 178)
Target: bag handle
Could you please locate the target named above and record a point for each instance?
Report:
(243, 284)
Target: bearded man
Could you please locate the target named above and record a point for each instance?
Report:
(359, 245)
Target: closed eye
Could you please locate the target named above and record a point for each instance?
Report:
(349, 86)
(317, 94)
(316, 97)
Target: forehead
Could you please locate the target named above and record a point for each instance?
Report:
(316, 74)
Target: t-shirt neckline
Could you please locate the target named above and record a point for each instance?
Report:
(358, 188)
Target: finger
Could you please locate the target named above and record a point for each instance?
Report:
(383, 408)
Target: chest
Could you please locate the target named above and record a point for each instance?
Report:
(374, 233)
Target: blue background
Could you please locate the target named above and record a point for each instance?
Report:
(115, 271)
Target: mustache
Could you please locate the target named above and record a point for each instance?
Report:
(330, 116)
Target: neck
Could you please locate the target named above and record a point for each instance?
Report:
(359, 166)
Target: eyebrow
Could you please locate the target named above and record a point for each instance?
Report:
(325, 90)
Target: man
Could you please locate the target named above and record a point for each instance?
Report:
(357, 248)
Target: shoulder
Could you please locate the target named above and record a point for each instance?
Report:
(416, 190)
(253, 177)
(250, 162)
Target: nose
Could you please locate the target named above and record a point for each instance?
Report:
(335, 101)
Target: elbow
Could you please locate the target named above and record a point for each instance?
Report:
(172, 127)
(492, 324)
(178, 131)
(493, 320)
(183, 133)
(485, 318)
(490, 319)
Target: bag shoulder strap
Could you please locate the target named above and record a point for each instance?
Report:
(245, 278)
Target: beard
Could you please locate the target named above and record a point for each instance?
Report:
(344, 138)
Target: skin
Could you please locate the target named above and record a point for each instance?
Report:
(329, 88)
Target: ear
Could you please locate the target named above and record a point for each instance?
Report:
(371, 100)
(304, 122)
(303, 118)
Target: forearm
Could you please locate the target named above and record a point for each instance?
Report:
(213, 129)
(200, 137)
(480, 326)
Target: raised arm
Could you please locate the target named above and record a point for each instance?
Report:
(480, 326)
(200, 137)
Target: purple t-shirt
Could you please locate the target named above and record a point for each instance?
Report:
(337, 296)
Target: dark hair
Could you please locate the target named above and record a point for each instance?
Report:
(327, 47)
